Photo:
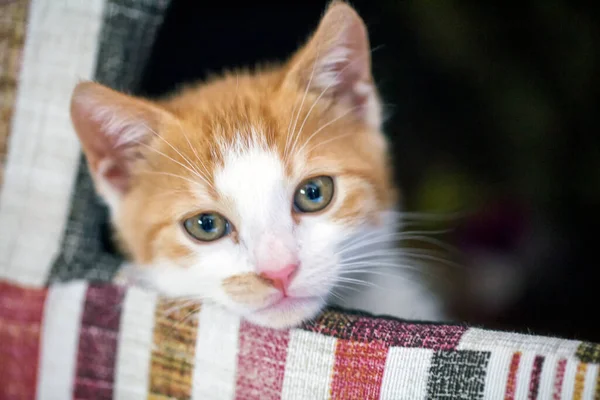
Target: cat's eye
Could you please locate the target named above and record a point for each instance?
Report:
(314, 194)
(207, 227)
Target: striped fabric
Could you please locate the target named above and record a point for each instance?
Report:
(90, 341)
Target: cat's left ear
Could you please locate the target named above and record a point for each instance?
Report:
(336, 63)
(114, 129)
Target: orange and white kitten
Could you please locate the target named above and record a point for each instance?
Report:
(258, 191)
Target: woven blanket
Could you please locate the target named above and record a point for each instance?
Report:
(93, 341)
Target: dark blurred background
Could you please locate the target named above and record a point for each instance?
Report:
(493, 113)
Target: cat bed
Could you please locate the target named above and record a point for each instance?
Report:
(98, 341)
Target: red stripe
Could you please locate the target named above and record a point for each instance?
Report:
(261, 362)
(534, 380)
(98, 339)
(511, 383)
(358, 370)
(21, 313)
(558, 379)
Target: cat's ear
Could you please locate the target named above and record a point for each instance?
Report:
(336, 62)
(112, 128)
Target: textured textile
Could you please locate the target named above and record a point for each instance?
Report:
(129, 344)
(52, 223)
(43, 152)
(126, 38)
(13, 16)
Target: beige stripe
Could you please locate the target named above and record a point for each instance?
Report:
(12, 36)
(173, 350)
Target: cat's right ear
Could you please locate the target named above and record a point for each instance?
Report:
(112, 127)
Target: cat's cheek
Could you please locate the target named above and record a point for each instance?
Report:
(319, 240)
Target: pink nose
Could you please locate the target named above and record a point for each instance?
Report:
(280, 278)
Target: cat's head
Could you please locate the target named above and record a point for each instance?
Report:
(248, 189)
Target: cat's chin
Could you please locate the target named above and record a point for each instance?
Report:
(287, 313)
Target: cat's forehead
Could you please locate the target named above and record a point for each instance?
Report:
(247, 158)
(254, 181)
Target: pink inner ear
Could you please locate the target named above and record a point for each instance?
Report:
(115, 173)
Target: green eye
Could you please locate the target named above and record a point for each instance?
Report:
(207, 227)
(314, 194)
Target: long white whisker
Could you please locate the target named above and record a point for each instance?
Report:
(331, 139)
(175, 161)
(392, 263)
(433, 258)
(190, 164)
(333, 82)
(344, 114)
(206, 173)
(357, 282)
(312, 73)
(170, 174)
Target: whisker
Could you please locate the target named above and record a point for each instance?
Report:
(326, 125)
(206, 173)
(312, 73)
(169, 174)
(175, 161)
(353, 281)
(376, 264)
(449, 248)
(433, 258)
(190, 164)
(179, 306)
(324, 142)
(333, 81)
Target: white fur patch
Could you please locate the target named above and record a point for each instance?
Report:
(253, 179)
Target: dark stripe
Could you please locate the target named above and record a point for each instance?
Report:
(98, 342)
(534, 380)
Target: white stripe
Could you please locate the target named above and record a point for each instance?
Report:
(309, 366)
(547, 379)
(216, 354)
(484, 340)
(496, 376)
(569, 381)
(60, 340)
(524, 375)
(43, 151)
(591, 377)
(132, 376)
(406, 373)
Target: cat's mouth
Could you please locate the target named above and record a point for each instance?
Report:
(287, 303)
(287, 311)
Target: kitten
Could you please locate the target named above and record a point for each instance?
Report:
(258, 191)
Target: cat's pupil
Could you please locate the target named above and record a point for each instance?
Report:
(207, 223)
(312, 192)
